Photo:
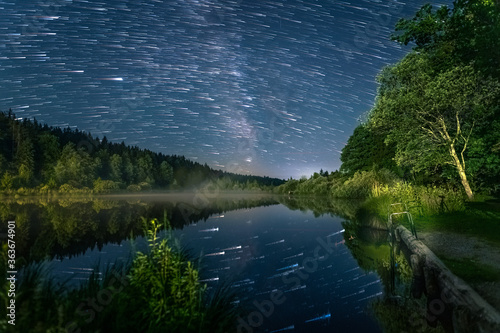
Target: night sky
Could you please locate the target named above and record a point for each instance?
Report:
(263, 87)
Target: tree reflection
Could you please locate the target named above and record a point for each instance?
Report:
(70, 226)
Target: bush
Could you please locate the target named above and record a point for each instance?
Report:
(361, 184)
(45, 189)
(105, 186)
(23, 191)
(145, 186)
(167, 287)
(134, 188)
(66, 188)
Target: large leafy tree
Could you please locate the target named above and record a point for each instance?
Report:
(166, 174)
(469, 33)
(75, 166)
(366, 150)
(430, 115)
(49, 146)
(116, 165)
(439, 104)
(145, 169)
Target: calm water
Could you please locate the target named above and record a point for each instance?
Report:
(292, 269)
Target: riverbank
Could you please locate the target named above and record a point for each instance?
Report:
(468, 243)
(467, 240)
(473, 259)
(461, 308)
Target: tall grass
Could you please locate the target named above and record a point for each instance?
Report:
(361, 183)
(167, 288)
(420, 200)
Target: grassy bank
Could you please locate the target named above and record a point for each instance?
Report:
(446, 212)
(478, 219)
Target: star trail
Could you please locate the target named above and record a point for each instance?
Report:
(262, 87)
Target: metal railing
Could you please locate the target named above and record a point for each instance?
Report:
(404, 212)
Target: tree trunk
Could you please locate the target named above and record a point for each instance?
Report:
(461, 172)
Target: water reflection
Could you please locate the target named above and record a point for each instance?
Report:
(63, 228)
(292, 269)
(302, 265)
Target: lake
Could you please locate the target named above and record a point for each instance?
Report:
(295, 265)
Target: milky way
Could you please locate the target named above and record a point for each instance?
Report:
(264, 87)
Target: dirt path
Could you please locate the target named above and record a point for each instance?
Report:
(461, 247)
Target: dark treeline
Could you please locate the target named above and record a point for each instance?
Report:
(436, 117)
(33, 155)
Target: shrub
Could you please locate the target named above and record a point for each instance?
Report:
(134, 188)
(45, 189)
(361, 184)
(66, 188)
(145, 186)
(23, 191)
(167, 286)
(105, 186)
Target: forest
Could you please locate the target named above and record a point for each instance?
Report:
(36, 158)
(435, 123)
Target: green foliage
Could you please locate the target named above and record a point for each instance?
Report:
(484, 159)
(472, 271)
(105, 186)
(144, 169)
(6, 182)
(360, 185)
(75, 167)
(288, 187)
(366, 150)
(116, 165)
(166, 173)
(425, 29)
(66, 188)
(49, 146)
(421, 200)
(432, 111)
(145, 186)
(133, 188)
(467, 33)
(479, 219)
(167, 286)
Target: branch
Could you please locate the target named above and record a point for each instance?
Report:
(431, 132)
(445, 134)
(466, 141)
